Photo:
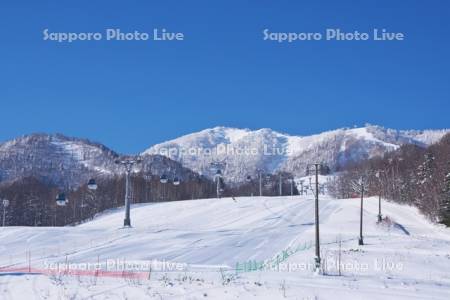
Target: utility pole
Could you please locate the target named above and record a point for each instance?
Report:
(5, 203)
(360, 187)
(249, 180)
(260, 182)
(217, 178)
(301, 187)
(361, 242)
(317, 218)
(317, 168)
(281, 185)
(380, 218)
(218, 167)
(128, 163)
(292, 186)
(378, 175)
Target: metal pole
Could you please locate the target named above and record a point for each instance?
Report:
(281, 185)
(379, 208)
(164, 192)
(82, 205)
(301, 187)
(378, 175)
(260, 184)
(4, 215)
(361, 242)
(218, 186)
(292, 187)
(127, 221)
(317, 259)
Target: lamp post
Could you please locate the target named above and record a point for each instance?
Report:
(128, 163)
(5, 204)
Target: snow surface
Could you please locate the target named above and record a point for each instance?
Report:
(211, 236)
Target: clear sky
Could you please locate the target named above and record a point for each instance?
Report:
(130, 95)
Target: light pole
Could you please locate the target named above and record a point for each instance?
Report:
(317, 168)
(128, 163)
(5, 203)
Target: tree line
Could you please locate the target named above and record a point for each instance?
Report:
(33, 201)
(411, 175)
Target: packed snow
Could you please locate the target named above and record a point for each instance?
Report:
(249, 247)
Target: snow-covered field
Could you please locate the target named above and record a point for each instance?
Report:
(254, 247)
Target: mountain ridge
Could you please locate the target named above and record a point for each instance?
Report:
(70, 161)
(272, 151)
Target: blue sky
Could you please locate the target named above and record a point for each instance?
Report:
(130, 95)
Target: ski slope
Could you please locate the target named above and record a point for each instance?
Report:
(407, 257)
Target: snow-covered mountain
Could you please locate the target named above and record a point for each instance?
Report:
(243, 152)
(69, 162)
(54, 159)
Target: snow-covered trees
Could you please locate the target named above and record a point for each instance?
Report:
(415, 175)
(445, 203)
(427, 196)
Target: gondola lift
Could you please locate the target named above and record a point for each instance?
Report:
(163, 178)
(61, 199)
(176, 181)
(92, 185)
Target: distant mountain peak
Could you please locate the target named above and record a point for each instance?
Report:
(248, 150)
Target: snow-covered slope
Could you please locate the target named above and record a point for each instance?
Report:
(242, 151)
(402, 259)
